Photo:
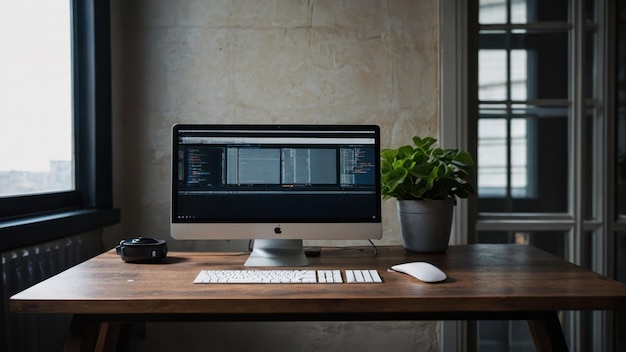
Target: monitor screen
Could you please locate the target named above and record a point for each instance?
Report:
(282, 183)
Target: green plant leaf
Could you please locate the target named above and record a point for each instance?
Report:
(425, 172)
(388, 155)
(394, 178)
(405, 152)
(463, 158)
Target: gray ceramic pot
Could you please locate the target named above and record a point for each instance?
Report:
(425, 224)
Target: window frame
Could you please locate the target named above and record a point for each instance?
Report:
(30, 219)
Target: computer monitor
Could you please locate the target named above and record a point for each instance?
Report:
(276, 185)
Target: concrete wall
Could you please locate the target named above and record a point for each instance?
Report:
(266, 61)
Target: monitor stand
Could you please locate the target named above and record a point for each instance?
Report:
(277, 253)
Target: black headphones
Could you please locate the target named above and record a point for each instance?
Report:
(142, 250)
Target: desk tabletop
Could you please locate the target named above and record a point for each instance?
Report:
(481, 278)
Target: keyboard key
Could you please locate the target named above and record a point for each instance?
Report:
(375, 276)
(362, 276)
(329, 276)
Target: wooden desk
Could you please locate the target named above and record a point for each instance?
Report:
(484, 282)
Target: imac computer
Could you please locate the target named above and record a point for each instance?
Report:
(276, 185)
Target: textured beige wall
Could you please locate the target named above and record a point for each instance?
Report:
(264, 61)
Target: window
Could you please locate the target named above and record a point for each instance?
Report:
(35, 98)
(26, 219)
(535, 87)
(540, 118)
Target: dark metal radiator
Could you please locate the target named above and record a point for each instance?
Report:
(23, 267)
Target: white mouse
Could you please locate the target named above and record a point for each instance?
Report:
(421, 270)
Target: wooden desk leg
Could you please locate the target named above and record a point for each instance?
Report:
(107, 337)
(547, 333)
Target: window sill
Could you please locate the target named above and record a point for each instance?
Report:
(15, 233)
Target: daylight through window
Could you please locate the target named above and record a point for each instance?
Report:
(36, 143)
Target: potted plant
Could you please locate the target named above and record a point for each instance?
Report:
(426, 180)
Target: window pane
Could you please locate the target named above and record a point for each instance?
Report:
(519, 75)
(519, 158)
(522, 159)
(519, 11)
(492, 11)
(537, 63)
(492, 156)
(547, 63)
(35, 97)
(493, 150)
(546, 11)
(524, 11)
(492, 77)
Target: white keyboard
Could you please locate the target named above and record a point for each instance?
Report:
(285, 276)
